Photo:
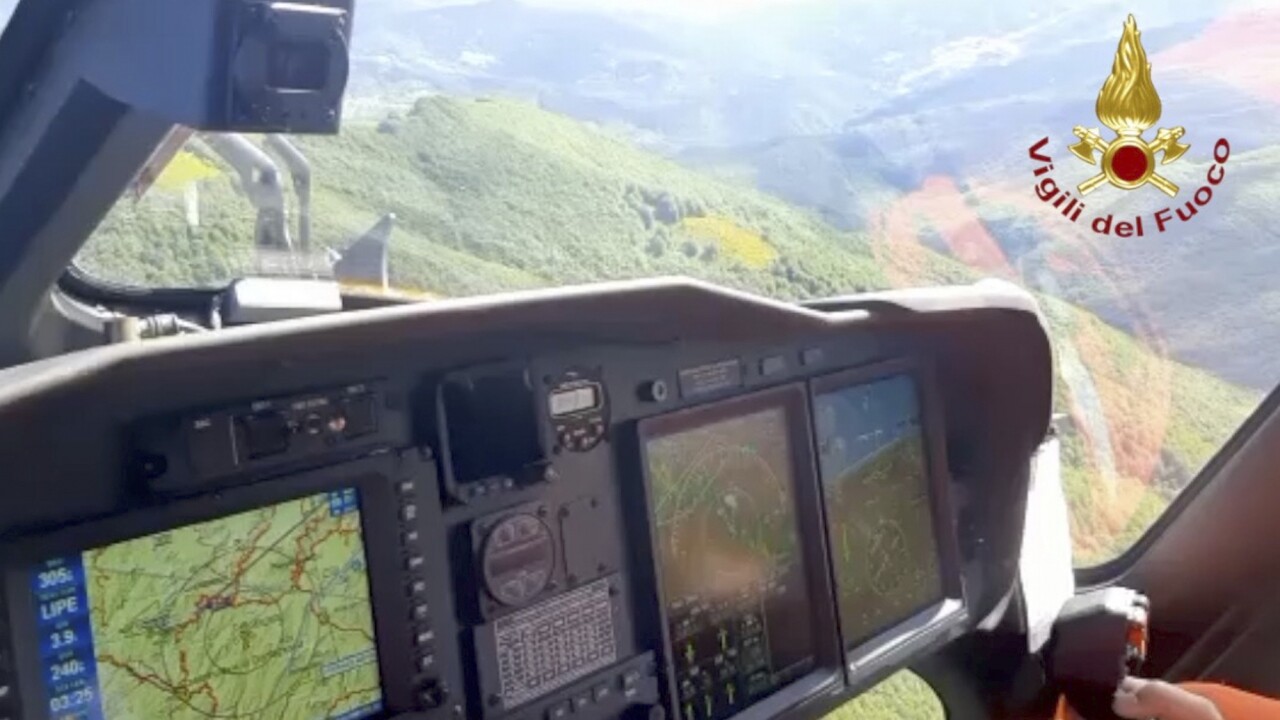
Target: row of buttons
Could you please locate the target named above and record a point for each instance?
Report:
(431, 692)
(628, 683)
(492, 486)
(724, 375)
(775, 364)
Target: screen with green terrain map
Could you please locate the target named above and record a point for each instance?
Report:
(875, 482)
(731, 567)
(263, 614)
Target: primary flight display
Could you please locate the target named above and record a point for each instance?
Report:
(730, 559)
(875, 481)
(265, 613)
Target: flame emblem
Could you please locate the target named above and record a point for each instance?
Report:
(1129, 105)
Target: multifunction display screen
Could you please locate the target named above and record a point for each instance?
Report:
(875, 481)
(731, 562)
(261, 614)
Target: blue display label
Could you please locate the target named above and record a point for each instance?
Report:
(63, 607)
(68, 670)
(54, 575)
(342, 502)
(80, 703)
(66, 639)
(61, 638)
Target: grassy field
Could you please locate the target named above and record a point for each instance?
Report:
(903, 696)
(494, 194)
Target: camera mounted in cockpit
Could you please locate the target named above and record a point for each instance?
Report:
(288, 67)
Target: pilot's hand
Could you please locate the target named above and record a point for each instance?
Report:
(1146, 699)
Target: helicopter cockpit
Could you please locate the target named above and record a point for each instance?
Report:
(533, 507)
(648, 498)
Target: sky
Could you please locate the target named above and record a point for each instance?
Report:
(704, 9)
(718, 7)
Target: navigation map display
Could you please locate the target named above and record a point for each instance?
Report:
(875, 482)
(256, 615)
(731, 563)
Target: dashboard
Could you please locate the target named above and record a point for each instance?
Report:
(649, 499)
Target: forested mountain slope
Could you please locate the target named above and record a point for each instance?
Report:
(493, 194)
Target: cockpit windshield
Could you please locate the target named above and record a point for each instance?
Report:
(1118, 160)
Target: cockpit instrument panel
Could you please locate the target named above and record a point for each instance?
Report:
(579, 409)
(162, 625)
(504, 527)
(889, 527)
(300, 598)
(489, 432)
(732, 563)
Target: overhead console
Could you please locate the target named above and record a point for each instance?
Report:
(566, 504)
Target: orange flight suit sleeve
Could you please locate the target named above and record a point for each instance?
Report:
(1235, 704)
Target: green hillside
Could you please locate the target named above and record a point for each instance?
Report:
(1165, 421)
(496, 195)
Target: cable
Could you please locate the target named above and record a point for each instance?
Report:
(167, 324)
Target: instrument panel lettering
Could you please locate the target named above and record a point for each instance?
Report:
(707, 379)
(551, 645)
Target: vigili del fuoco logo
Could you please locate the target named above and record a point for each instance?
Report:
(1129, 106)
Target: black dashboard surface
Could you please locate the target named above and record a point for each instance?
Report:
(591, 501)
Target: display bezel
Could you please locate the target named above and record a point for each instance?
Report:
(378, 515)
(936, 621)
(793, 400)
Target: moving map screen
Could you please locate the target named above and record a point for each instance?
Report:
(263, 614)
(875, 483)
(731, 564)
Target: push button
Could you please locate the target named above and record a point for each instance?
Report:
(630, 679)
(362, 417)
(772, 365)
(211, 445)
(265, 434)
(433, 694)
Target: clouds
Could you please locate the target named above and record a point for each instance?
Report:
(698, 10)
(704, 9)
(966, 53)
